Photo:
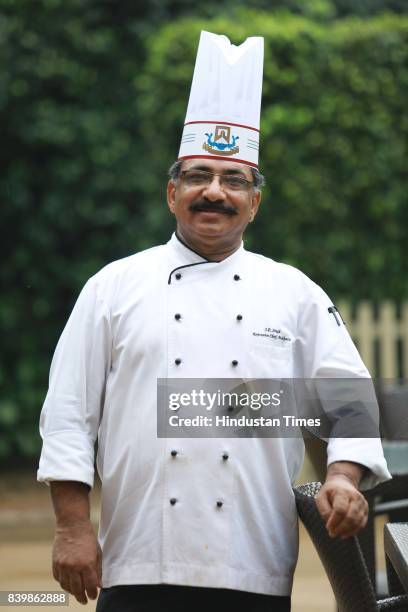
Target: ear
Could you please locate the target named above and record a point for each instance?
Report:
(255, 202)
(171, 195)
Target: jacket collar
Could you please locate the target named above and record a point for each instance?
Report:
(185, 255)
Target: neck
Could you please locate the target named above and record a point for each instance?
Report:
(208, 249)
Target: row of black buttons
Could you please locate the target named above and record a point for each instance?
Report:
(177, 316)
(179, 275)
(174, 453)
(173, 502)
(234, 362)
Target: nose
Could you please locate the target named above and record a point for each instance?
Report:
(214, 191)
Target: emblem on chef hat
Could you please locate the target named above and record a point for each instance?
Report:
(223, 112)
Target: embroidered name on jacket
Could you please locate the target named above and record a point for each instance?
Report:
(273, 333)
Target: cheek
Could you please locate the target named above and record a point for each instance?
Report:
(181, 209)
(248, 209)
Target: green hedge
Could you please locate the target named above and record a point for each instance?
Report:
(92, 112)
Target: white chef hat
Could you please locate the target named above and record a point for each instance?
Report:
(223, 113)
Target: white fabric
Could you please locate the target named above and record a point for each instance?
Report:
(122, 335)
(198, 141)
(226, 91)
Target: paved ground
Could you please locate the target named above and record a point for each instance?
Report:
(26, 531)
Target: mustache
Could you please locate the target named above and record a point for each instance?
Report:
(217, 206)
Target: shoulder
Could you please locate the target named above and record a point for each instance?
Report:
(112, 277)
(129, 265)
(288, 282)
(287, 275)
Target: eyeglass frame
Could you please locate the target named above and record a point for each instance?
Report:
(246, 185)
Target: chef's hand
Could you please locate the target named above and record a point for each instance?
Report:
(76, 556)
(339, 501)
(77, 560)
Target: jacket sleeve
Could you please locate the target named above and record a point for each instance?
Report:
(328, 352)
(72, 409)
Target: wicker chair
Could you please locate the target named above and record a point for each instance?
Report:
(343, 561)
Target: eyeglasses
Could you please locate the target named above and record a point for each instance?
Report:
(201, 178)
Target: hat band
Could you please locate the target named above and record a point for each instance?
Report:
(222, 141)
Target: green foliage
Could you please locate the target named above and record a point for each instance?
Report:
(92, 101)
(71, 181)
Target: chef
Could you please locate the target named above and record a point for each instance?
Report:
(195, 521)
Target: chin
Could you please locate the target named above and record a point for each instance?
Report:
(209, 229)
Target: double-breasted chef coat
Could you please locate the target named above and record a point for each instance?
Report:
(206, 512)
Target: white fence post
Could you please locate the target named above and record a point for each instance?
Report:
(387, 329)
(388, 336)
(404, 337)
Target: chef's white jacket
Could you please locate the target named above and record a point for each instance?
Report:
(160, 520)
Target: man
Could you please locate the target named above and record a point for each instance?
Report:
(194, 522)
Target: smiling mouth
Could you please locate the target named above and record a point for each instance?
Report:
(211, 209)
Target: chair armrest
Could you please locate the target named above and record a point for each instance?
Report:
(394, 604)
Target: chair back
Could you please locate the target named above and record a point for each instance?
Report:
(342, 560)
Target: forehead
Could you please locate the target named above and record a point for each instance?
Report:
(217, 166)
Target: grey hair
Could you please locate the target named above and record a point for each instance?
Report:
(258, 178)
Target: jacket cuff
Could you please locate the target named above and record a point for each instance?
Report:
(365, 451)
(67, 456)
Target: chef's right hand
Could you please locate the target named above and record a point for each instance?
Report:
(77, 559)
